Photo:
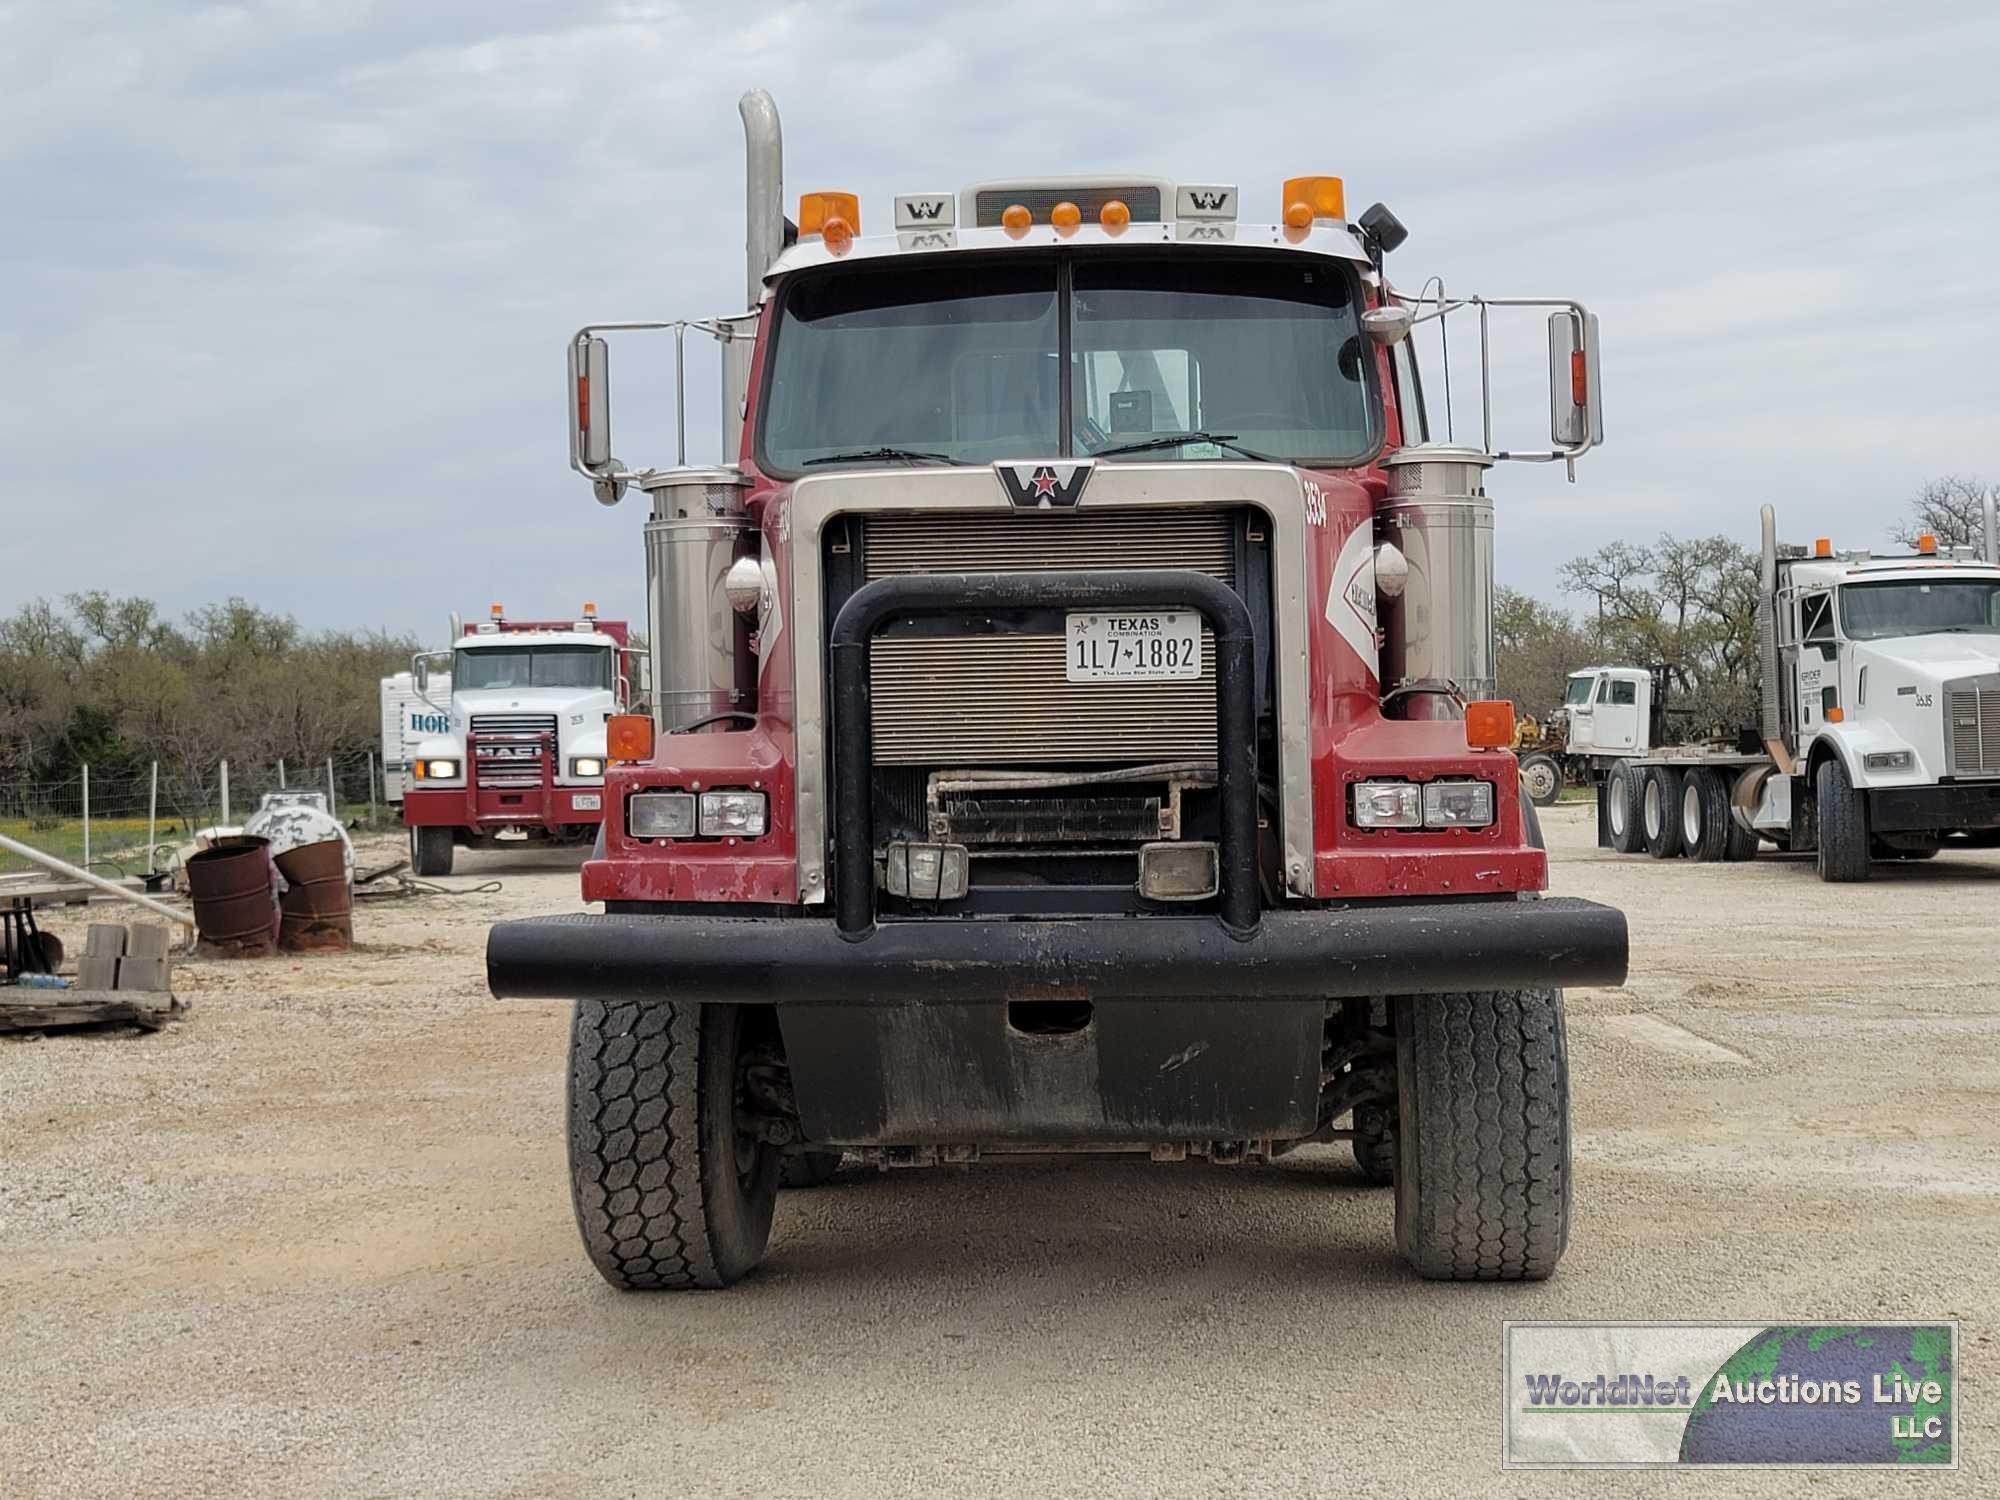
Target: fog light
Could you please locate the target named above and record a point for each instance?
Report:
(742, 815)
(1387, 804)
(927, 872)
(1458, 804)
(1889, 760)
(1178, 871)
(660, 815)
(586, 765)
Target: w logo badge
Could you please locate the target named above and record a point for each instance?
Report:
(1043, 486)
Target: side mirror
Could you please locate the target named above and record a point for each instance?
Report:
(1387, 324)
(590, 416)
(1576, 401)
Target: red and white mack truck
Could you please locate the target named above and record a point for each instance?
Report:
(520, 755)
(1074, 731)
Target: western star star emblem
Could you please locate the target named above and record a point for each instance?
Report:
(1037, 485)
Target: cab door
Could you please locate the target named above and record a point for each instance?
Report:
(1582, 708)
(1618, 713)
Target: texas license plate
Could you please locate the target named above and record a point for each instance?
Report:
(1150, 645)
(586, 802)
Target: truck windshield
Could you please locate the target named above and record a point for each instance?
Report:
(961, 360)
(1878, 611)
(1579, 690)
(532, 666)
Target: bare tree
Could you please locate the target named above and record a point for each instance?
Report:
(1950, 508)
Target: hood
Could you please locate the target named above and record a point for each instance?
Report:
(523, 700)
(1942, 656)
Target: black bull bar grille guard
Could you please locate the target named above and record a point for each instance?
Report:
(1241, 954)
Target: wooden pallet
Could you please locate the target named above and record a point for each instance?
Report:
(125, 975)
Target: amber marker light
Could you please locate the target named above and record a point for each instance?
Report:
(628, 737)
(1016, 219)
(1823, 546)
(1115, 216)
(1489, 724)
(1065, 216)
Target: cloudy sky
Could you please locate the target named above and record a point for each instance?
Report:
(286, 285)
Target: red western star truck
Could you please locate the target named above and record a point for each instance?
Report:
(1074, 730)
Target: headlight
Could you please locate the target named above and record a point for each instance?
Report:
(1458, 804)
(586, 765)
(736, 814)
(436, 770)
(660, 815)
(1387, 804)
(1890, 760)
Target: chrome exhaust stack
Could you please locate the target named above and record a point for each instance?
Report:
(1772, 715)
(1437, 648)
(764, 184)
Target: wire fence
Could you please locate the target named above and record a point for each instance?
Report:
(121, 823)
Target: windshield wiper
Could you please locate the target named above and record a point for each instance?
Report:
(888, 455)
(1181, 439)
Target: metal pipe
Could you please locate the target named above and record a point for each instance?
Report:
(50, 862)
(225, 793)
(86, 817)
(1986, 507)
(680, 395)
(1485, 385)
(1235, 691)
(764, 187)
(152, 816)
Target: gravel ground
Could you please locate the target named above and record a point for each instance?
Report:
(316, 1239)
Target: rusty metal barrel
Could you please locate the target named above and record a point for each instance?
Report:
(317, 908)
(235, 906)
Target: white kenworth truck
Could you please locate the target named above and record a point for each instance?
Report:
(1880, 733)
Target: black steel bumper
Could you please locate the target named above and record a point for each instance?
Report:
(1369, 950)
(1944, 809)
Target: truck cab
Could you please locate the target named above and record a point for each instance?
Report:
(520, 754)
(1610, 711)
(1074, 730)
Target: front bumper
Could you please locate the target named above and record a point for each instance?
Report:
(1422, 948)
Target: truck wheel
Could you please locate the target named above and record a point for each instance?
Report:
(1482, 1164)
(808, 1169)
(1543, 778)
(1842, 822)
(1621, 809)
(1659, 811)
(430, 851)
(1374, 1144)
(1705, 820)
(668, 1193)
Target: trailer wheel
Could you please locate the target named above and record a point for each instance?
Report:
(1621, 809)
(1659, 811)
(1842, 824)
(808, 1169)
(1705, 820)
(1543, 778)
(430, 851)
(669, 1194)
(1482, 1165)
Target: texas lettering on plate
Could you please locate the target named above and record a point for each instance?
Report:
(1134, 646)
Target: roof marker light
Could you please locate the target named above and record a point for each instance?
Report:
(1324, 197)
(1065, 216)
(1016, 219)
(817, 210)
(1926, 542)
(1823, 546)
(1115, 216)
(495, 612)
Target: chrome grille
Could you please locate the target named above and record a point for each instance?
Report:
(508, 748)
(1972, 729)
(993, 700)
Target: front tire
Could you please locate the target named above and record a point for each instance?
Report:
(1842, 824)
(1482, 1166)
(430, 851)
(669, 1195)
(1543, 779)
